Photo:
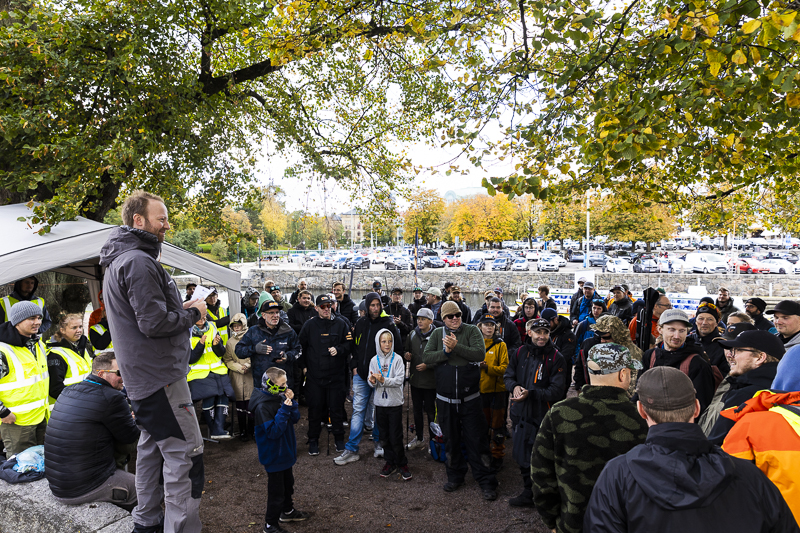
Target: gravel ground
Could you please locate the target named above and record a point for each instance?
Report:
(354, 497)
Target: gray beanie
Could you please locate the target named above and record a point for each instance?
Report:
(22, 310)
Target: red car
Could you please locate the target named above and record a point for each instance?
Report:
(450, 260)
(749, 266)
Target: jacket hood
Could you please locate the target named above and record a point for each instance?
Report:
(124, 239)
(762, 401)
(794, 340)
(259, 396)
(378, 340)
(368, 299)
(18, 284)
(678, 468)
(264, 297)
(10, 335)
(240, 318)
(563, 324)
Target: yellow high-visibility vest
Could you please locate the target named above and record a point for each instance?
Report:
(209, 362)
(25, 389)
(8, 301)
(223, 331)
(78, 367)
(98, 328)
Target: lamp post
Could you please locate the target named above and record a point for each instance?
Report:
(586, 245)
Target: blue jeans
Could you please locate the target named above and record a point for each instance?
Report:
(362, 402)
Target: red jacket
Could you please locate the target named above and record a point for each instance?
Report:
(767, 432)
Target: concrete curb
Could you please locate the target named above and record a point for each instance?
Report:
(31, 507)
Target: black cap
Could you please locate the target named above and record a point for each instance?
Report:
(760, 340)
(786, 307)
(760, 304)
(397, 290)
(549, 314)
(376, 285)
(540, 323)
(487, 318)
(324, 299)
(733, 331)
(269, 306)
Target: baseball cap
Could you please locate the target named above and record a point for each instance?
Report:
(324, 299)
(758, 339)
(435, 291)
(616, 288)
(608, 358)
(487, 318)
(455, 288)
(498, 289)
(758, 302)
(732, 331)
(397, 289)
(417, 289)
(425, 313)
(786, 307)
(674, 315)
(488, 294)
(549, 314)
(376, 285)
(581, 280)
(540, 323)
(270, 306)
(275, 288)
(588, 285)
(666, 389)
(449, 308)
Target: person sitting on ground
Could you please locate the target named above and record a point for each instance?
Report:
(387, 375)
(69, 360)
(90, 421)
(754, 358)
(423, 379)
(680, 351)
(25, 291)
(755, 307)
(276, 414)
(677, 480)
(537, 379)
(208, 377)
(240, 375)
(706, 322)
(494, 397)
(766, 433)
(24, 381)
(578, 436)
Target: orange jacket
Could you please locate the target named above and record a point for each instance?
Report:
(767, 432)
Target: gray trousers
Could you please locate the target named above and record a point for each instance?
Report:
(119, 489)
(170, 446)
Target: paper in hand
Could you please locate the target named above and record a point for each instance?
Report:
(201, 293)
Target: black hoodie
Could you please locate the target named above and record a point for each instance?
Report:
(699, 369)
(348, 309)
(299, 315)
(12, 337)
(47, 322)
(363, 348)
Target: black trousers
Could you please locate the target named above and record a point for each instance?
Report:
(465, 423)
(280, 488)
(390, 429)
(323, 402)
(424, 401)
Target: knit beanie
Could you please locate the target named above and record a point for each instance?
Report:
(23, 310)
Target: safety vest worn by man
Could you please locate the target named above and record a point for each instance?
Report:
(78, 367)
(9, 301)
(209, 362)
(25, 389)
(223, 331)
(101, 330)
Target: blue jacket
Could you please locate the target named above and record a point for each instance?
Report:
(282, 339)
(277, 444)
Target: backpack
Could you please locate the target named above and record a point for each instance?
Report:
(718, 377)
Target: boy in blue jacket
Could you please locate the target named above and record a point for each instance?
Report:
(276, 414)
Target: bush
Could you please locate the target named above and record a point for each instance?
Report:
(188, 239)
(219, 249)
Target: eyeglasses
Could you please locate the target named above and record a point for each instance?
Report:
(454, 315)
(668, 306)
(737, 351)
(115, 372)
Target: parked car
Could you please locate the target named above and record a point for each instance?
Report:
(669, 245)
(645, 265)
(323, 261)
(575, 256)
(597, 259)
(475, 263)
(398, 262)
(781, 266)
(520, 263)
(663, 264)
(618, 265)
(433, 261)
(621, 254)
(748, 265)
(451, 260)
(706, 263)
(501, 263)
(359, 261)
(546, 263)
(533, 256)
(340, 262)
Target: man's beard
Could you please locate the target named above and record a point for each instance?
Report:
(151, 229)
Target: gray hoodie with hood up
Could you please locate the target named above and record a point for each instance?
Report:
(148, 323)
(393, 367)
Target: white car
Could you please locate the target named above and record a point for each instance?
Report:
(521, 263)
(533, 256)
(548, 263)
(781, 266)
(560, 260)
(618, 265)
(377, 257)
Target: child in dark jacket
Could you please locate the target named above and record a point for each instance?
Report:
(276, 414)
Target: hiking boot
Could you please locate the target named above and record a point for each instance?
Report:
(313, 447)
(388, 470)
(378, 451)
(415, 443)
(451, 486)
(294, 516)
(276, 528)
(405, 472)
(525, 499)
(489, 495)
(339, 446)
(497, 464)
(346, 457)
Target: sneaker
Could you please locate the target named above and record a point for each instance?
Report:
(225, 436)
(405, 472)
(415, 443)
(294, 516)
(339, 446)
(313, 447)
(489, 495)
(378, 451)
(388, 470)
(346, 457)
(274, 529)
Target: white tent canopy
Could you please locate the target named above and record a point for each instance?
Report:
(73, 247)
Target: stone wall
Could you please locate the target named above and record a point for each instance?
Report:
(739, 285)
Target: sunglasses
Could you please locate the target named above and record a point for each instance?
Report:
(115, 372)
(454, 315)
(325, 306)
(709, 305)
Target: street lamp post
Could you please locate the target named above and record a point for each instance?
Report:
(586, 245)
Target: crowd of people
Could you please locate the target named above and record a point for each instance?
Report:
(678, 422)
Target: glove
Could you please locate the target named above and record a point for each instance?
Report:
(262, 348)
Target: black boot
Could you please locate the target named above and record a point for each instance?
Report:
(525, 499)
(244, 430)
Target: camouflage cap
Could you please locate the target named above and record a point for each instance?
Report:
(608, 358)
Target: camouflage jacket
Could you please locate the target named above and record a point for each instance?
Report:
(578, 436)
